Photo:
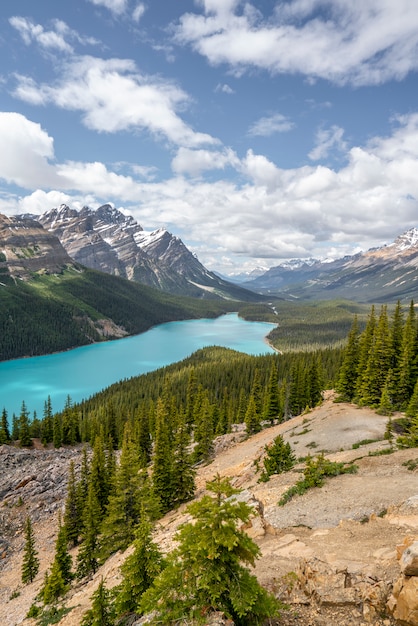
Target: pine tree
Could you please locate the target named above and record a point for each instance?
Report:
(257, 392)
(102, 611)
(365, 344)
(378, 363)
(208, 569)
(98, 474)
(162, 460)
(69, 422)
(124, 506)
(15, 427)
(35, 427)
(139, 570)
(203, 432)
(73, 511)
(252, 417)
(315, 382)
(410, 438)
(54, 585)
(30, 564)
(63, 559)
(183, 473)
(57, 431)
(346, 385)
(82, 486)
(279, 458)
(47, 431)
(24, 427)
(407, 361)
(412, 408)
(273, 409)
(4, 429)
(88, 555)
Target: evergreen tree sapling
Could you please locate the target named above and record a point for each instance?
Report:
(139, 570)
(63, 558)
(102, 611)
(279, 458)
(88, 555)
(207, 571)
(30, 564)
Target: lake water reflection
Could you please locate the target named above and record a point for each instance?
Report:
(84, 371)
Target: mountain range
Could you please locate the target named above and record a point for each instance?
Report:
(107, 240)
(384, 274)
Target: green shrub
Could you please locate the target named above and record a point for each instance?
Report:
(279, 458)
(315, 472)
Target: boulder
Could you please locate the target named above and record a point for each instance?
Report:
(405, 594)
(409, 560)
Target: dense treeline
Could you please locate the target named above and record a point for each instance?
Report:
(314, 325)
(54, 313)
(380, 364)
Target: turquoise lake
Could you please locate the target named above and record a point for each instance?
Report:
(81, 372)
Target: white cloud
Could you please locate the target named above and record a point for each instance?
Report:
(266, 126)
(53, 40)
(194, 162)
(113, 96)
(224, 88)
(47, 39)
(268, 213)
(27, 152)
(117, 7)
(327, 140)
(363, 43)
(139, 11)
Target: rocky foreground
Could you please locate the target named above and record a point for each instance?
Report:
(341, 554)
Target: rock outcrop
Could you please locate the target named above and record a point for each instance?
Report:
(27, 248)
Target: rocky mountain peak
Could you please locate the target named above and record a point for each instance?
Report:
(407, 240)
(106, 239)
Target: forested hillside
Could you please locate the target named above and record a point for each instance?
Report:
(380, 366)
(51, 313)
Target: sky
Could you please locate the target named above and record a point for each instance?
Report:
(255, 131)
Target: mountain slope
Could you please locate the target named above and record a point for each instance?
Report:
(112, 242)
(80, 306)
(50, 303)
(384, 274)
(377, 507)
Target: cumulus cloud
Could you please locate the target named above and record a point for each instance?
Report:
(28, 152)
(266, 212)
(362, 43)
(113, 96)
(194, 162)
(266, 126)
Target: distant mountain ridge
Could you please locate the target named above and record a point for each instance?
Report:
(383, 274)
(107, 240)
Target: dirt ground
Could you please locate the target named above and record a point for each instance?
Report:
(353, 523)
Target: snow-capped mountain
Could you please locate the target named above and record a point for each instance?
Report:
(382, 274)
(107, 240)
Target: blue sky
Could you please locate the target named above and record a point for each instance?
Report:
(255, 131)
